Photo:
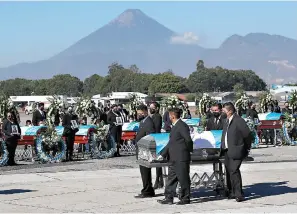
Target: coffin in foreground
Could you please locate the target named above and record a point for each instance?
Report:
(206, 145)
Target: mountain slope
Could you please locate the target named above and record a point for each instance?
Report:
(135, 38)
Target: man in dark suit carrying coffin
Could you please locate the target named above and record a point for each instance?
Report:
(157, 120)
(236, 141)
(178, 152)
(146, 127)
(39, 115)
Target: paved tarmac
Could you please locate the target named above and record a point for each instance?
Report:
(109, 186)
(89, 186)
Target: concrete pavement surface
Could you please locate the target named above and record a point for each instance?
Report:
(89, 186)
(109, 186)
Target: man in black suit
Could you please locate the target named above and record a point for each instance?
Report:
(146, 127)
(252, 112)
(39, 115)
(167, 122)
(69, 123)
(115, 121)
(157, 120)
(236, 141)
(178, 152)
(215, 122)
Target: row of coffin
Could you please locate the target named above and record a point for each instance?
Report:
(267, 121)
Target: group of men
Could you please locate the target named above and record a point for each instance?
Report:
(236, 141)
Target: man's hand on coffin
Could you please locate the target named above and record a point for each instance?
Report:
(160, 158)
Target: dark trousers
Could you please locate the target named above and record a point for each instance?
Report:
(115, 133)
(70, 143)
(11, 145)
(146, 176)
(179, 172)
(159, 175)
(233, 176)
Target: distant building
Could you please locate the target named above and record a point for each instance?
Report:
(117, 97)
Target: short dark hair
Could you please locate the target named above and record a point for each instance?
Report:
(28, 121)
(157, 105)
(176, 111)
(142, 107)
(229, 106)
(40, 104)
(219, 105)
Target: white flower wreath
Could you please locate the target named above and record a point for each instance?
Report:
(243, 102)
(266, 100)
(6, 105)
(205, 100)
(83, 107)
(50, 138)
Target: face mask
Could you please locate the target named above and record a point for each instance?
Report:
(216, 114)
(152, 111)
(140, 117)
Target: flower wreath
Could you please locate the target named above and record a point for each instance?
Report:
(49, 141)
(134, 101)
(255, 142)
(98, 139)
(4, 153)
(242, 102)
(6, 105)
(265, 101)
(205, 101)
(83, 107)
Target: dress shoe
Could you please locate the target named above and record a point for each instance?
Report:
(239, 199)
(183, 202)
(166, 201)
(143, 196)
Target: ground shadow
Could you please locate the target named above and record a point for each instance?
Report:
(260, 190)
(15, 191)
(205, 195)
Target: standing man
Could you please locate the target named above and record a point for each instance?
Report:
(39, 115)
(236, 141)
(146, 127)
(70, 124)
(252, 112)
(157, 120)
(215, 122)
(167, 122)
(178, 152)
(115, 121)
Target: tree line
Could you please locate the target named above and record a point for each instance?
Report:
(132, 79)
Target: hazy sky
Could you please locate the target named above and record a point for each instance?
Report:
(31, 31)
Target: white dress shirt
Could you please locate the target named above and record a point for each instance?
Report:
(226, 135)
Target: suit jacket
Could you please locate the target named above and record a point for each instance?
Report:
(66, 123)
(212, 125)
(7, 130)
(37, 117)
(239, 138)
(167, 122)
(157, 120)
(146, 127)
(252, 113)
(180, 143)
(111, 119)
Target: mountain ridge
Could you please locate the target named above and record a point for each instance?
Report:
(135, 38)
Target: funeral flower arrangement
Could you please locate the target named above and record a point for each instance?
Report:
(134, 101)
(171, 102)
(99, 143)
(265, 101)
(50, 146)
(242, 102)
(6, 105)
(83, 107)
(205, 101)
